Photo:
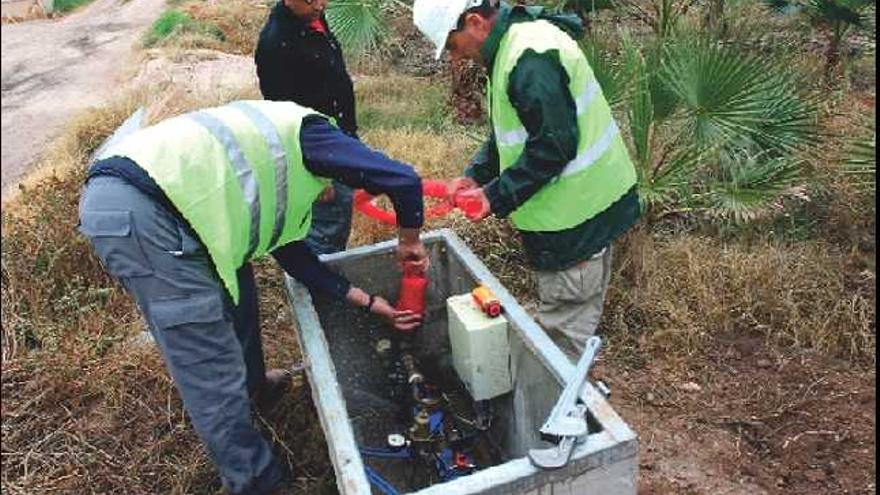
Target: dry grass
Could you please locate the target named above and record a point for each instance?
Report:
(847, 212)
(395, 101)
(674, 296)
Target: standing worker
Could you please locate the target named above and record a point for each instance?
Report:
(554, 162)
(298, 59)
(177, 211)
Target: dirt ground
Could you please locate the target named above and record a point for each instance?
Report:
(746, 418)
(54, 68)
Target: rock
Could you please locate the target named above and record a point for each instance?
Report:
(764, 363)
(690, 387)
(650, 397)
(200, 71)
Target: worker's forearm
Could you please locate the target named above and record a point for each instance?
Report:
(300, 263)
(408, 236)
(327, 152)
(357, 297)
(484, 165)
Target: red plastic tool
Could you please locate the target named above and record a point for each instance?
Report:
(364, 203)
(412, 289)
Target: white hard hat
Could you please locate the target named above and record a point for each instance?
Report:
(437, 18)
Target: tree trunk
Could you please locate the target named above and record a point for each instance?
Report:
(468, 81)
(714, 20)
(832, 54)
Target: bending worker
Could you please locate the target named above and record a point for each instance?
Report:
(177, 211)
(554, 163)
(298, 59)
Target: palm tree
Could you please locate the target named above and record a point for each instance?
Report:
(836, 18)
(710, 129)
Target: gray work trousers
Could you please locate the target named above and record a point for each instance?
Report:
(211, 347)
(572, 301)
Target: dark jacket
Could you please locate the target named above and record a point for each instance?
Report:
(295, 63)
(538, 90)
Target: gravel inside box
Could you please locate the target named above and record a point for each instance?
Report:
(351, 336)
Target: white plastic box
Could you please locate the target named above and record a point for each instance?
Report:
(480, 349)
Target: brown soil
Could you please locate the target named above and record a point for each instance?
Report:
(759, 420)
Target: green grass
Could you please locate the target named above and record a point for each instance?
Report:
(176, 23)
(64, 6)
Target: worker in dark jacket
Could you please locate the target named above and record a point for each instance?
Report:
(555, 163)
(298, 59)
(177, 211)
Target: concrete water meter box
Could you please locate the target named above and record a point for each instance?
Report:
(349, 387)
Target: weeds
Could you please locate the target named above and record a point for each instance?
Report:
(678, 294)
(65, 6)
(231, 27)
(178, 24)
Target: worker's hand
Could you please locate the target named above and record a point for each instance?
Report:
(327, 195)
(459, 184)
(403, 321)
(411, 252)
(474, 204)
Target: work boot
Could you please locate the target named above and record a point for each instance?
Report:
(271, 391)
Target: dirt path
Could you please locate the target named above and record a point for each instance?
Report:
(55, 68)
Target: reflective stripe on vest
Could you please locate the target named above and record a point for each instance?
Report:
(582, 102)
(601, 171)
(243, 171)
(270, 133)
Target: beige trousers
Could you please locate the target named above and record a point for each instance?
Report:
(571, 301)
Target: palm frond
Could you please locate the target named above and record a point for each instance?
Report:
(641, 120)
(751, 185)
(850, 12)
(861, 165)
(843, 11)
(727, 96)
(671, 178)
(613, 73)
(358, 24)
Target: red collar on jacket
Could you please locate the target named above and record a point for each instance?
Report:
(318, 25)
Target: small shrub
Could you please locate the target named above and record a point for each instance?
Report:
(238, 21)
(176, 23)
(64, 6)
